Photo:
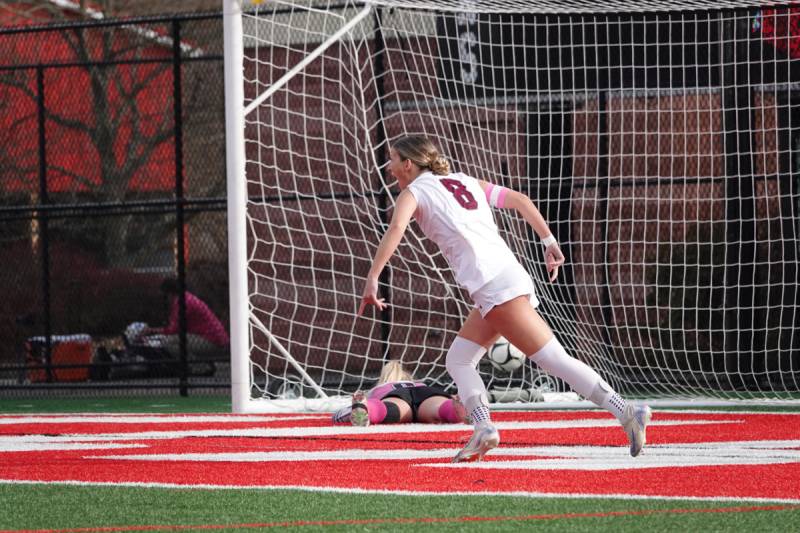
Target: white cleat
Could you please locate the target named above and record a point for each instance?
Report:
(636, 419)
(359, 416)
(484, 438)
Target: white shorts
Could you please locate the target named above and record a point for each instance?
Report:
(512, 282)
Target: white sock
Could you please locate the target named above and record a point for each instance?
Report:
(462, 362)
(612, 402)
(553, 359)
(480, 414)
(342, 415)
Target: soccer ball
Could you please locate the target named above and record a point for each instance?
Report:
(505, 357)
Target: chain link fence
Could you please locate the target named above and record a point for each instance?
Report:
(112, 179)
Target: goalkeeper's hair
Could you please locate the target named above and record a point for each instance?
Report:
(393, 371)
(422, 152)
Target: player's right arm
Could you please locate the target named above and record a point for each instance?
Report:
(403, 211)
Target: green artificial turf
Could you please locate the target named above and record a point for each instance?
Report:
(54, 507)
(144, 404)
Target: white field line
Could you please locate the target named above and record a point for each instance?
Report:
(426, 494)
(139, 418)
(344, 430)
(148, 419)
(544, 457)
(65, 446)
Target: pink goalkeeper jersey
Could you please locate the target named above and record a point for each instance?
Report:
(453, 212)
(380, 391)
(200, 320)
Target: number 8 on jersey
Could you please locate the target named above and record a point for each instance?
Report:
(460, 192)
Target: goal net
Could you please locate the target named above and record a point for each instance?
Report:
(660, 140)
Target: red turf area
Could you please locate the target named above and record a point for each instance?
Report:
(754, 455)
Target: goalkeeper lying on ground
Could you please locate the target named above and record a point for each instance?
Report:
(398, 398)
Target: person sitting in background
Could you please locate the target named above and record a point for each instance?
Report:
(205, 334)
(399, 398)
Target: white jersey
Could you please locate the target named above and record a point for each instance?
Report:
(453, 212)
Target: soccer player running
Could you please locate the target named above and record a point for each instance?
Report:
(453, 210)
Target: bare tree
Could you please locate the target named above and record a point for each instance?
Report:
(127, 123)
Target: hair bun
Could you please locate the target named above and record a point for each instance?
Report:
(440, 166)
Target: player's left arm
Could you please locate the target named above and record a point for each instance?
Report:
(504, 198)
(403, 211)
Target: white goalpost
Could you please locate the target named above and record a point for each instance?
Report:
(659, 139)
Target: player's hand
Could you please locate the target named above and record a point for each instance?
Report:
(370, 296)
(553, 259)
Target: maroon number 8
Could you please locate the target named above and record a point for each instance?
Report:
(460, 193)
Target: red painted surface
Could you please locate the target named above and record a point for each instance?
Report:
(779, 481)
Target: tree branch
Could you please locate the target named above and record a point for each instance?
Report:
(77, 177)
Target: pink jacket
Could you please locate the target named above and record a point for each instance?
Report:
(200, 320)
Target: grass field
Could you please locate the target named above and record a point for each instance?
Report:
(55, 508)
(150, 404)
(85, 499)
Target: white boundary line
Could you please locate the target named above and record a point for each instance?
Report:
(426, 494)
(665, 403)
(299, 416)
(158, 419)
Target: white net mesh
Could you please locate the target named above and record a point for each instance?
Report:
(568, 6)
(662, 146)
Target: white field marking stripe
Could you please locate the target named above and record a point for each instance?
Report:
(427, 494)
(343, 430)
(133, 418)
(552, 457)
(675, 411)
(254, 457)
(661, 456)
(63, 446)
(200, 419)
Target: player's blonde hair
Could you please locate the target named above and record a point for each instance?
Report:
(422, 152)
(393, 371)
